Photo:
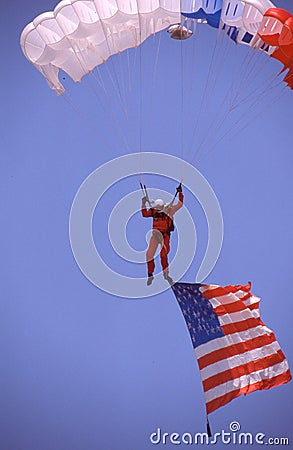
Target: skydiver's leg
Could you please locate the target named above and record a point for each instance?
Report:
(164, 257)
(153, 245)
(164, 252)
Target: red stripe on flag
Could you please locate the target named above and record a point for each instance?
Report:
(229, 308)
(219, 290)
(260, 385)
(244, 325)
(235, 349)
(244, 369)
(246, 297)
(253, 306)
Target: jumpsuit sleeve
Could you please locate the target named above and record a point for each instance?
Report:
(178, 205)
(146, 212)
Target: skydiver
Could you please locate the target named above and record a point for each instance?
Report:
(162, 227)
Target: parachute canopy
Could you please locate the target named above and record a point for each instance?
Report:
(82, 34)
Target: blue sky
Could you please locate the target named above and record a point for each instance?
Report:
(82, 369)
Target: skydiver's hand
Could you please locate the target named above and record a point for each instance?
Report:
(179, 188)
(144, 200)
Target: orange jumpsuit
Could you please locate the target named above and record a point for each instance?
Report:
(162, 224)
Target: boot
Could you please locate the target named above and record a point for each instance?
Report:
(150, 279)
(167, 277)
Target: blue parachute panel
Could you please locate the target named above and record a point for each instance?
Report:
(212, 19)
(247, 38)
(232, 32)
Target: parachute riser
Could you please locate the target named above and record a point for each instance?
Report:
(145, 193)
(175, 195)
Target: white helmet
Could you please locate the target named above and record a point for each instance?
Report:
(158, 204)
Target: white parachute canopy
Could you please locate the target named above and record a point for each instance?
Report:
(245, 14)
(81, 34)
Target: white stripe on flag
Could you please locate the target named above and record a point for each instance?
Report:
(246, 380)
(233, 298)
(223, 300)
(226, 341)
(251, 300)
(238, 360)
(239, 316)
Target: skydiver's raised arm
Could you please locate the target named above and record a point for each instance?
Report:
(179, 204)
(144, 211)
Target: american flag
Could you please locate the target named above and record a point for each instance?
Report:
(236, 352)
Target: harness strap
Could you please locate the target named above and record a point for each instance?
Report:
(166, 217)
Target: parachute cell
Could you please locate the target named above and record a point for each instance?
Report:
(277, 29)
(245, 18)
(203, 11)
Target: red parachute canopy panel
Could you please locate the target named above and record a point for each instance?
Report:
(272, 25)
(286, 43)
(276, 30)
(284, 52)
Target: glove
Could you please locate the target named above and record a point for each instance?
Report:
(144, 200)
(179, 188)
